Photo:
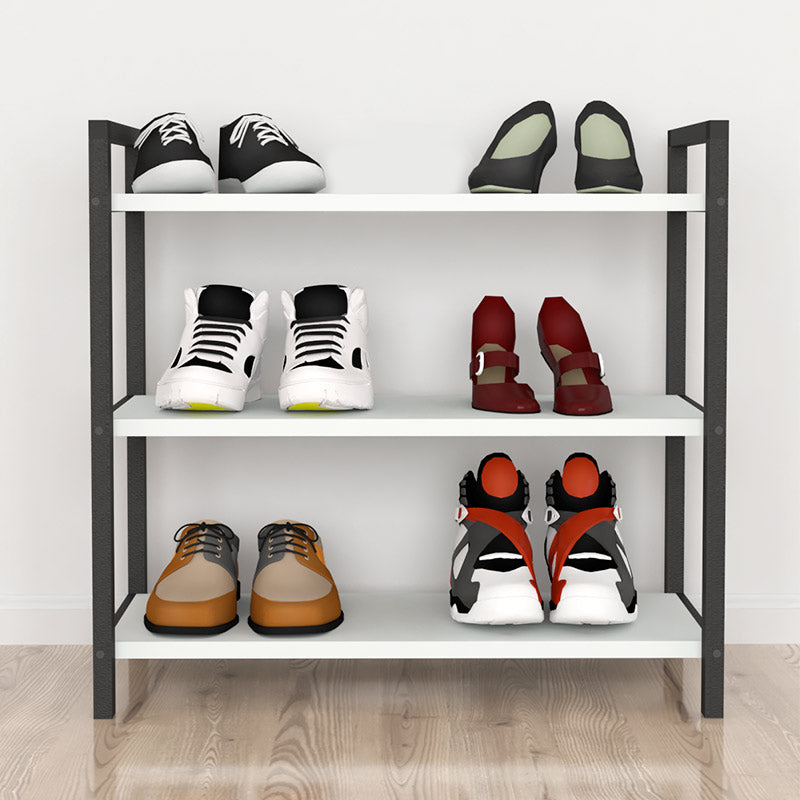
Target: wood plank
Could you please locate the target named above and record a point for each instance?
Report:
(400, 729)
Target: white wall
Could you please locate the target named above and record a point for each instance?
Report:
(394, 97)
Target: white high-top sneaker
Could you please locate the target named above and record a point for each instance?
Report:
(326, 365)
(218, 363)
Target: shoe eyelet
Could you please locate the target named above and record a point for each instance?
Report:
(219, 555)
(219, 547)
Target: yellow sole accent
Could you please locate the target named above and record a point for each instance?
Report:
(309, 407)
(206, 407)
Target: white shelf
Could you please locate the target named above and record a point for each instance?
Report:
(408, 203)
(414, 625)
(656, 415)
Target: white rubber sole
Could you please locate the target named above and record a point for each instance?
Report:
(283, 177)
(325, 396)
(198, 396)
(521, 610)
(181, 177)
(590, 609)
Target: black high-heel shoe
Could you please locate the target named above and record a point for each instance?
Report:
(518, 153)
(606, 157)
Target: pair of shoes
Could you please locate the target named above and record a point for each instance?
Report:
(492, 580)
(517, 156)
(218, 363)
(197, 593)
(577, 371)
(255, 155)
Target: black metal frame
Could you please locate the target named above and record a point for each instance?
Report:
(104, 134)
(714, 135)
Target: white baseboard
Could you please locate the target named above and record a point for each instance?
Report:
(49, 619)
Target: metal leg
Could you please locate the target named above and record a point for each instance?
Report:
(675, 448)
(715, 396)
(135, 365)
(714, 135)
(101, 415)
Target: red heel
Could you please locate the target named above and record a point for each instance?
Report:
(494, 364)
(577, 371)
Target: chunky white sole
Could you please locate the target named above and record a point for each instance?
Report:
(282, 177)
(520, 610)
(589, 605)
(198, 396)
(325, 396)
(190, 176)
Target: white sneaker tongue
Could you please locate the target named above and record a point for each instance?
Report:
(320, 302)
(231, 302)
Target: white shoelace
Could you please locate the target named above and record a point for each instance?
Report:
(264, 128)
(171, 128)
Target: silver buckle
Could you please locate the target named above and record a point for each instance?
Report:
(481, 362)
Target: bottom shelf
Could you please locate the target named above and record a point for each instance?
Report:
(418, 625)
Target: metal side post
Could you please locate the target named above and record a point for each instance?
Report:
(715, 419)
(135, 365)
(714, 135)
(675, 446)
(102, 449)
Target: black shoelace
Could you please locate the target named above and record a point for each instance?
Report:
(316, 340)
(217, 336)
(284, 537)
(203, 538)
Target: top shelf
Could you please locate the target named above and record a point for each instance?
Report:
(408, 203)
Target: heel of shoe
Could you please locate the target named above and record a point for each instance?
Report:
(522, 610)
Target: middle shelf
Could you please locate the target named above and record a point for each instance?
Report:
(633, 415)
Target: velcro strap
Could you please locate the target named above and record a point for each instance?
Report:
(580, 361)
(493, 358)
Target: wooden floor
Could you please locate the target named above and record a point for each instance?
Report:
(375, 729)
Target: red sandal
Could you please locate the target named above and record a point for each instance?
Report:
(494, 364)
(577, 371)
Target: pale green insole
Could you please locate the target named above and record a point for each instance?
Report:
(601, 137)
(524, 138)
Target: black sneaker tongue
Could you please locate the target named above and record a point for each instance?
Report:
(320, 302)
(231, 302)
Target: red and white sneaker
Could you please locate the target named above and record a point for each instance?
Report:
(491, 579)
(592, 583)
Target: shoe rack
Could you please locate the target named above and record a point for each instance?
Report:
(385, 625)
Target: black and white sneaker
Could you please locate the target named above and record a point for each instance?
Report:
(518, 153)
(592, 583)
(169, 158)
(255, 155)
(218, 363)
(326, 364)
(606, 157)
